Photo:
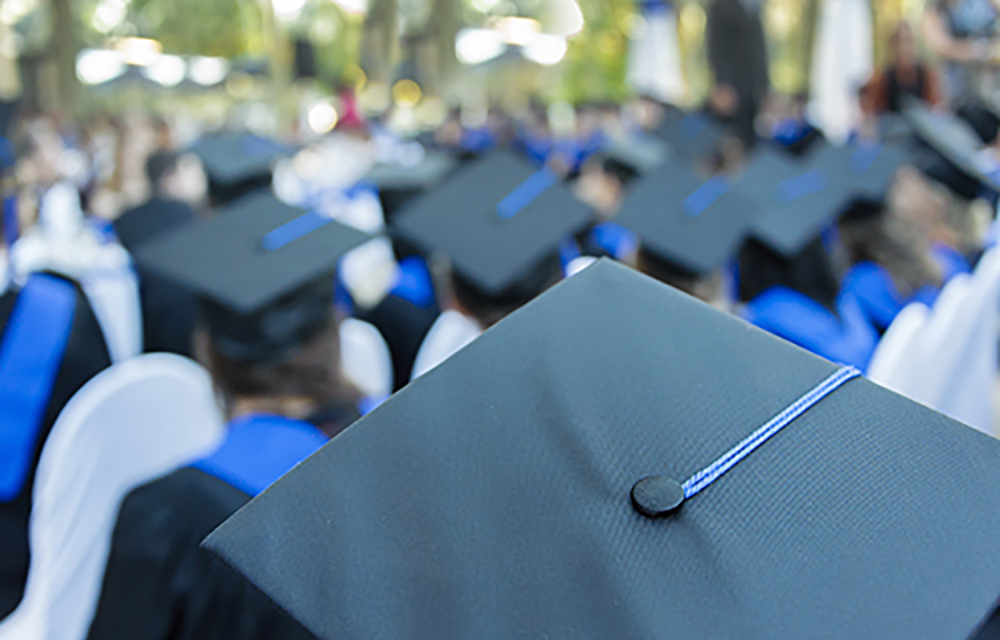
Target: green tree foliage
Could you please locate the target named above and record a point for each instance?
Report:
(196, 27)
(595, 64)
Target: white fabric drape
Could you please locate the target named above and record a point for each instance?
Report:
(365, 358)
(654, 59)
(842, 63)
(136, 421)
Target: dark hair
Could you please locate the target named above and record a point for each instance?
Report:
(312, 372)
(159, 164)
(890, 243)
(490, 309)
(810, 272)
(666, 272)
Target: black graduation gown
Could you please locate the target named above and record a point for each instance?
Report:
(169, 312)
(86, 356)
(159, 584)
(404, 326)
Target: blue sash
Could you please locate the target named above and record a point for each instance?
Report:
(259, 449)
(848, 340)
(32, 351)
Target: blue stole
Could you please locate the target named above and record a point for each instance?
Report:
(415, 284)
(32, 351)
(788, 314)
(259, 449)
(876, 293)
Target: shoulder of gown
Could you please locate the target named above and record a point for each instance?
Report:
(159, 583)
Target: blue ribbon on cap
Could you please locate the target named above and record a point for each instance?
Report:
(706, 195)
(701, 480)
(864, 157)
(527, 192)
(802, 186)
(294, 229)
(32, 351)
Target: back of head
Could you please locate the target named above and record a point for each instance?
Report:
(489, 309)
(810, 273)
(159, 165)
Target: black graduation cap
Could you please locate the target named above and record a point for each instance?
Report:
(506, 509)
(955, 142)
(868, 170)
(693, 135)
(263, 273)
(398, 184)
(499, 221)
(238, 163)
(691, 223)
(797, 200)
(635, 155)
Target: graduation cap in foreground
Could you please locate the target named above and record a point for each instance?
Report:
(499, 221)
(955, 143)
(691, 224)
(263, 274)
(238, 163)
(523, 505)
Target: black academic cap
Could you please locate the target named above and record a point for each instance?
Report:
(263, 273)
(955, 142)
(691, 223)
(505, 509)
(499, 221)
(236, 163)
(797, 199)
(693, 135)
(869, 170)
(636, 156)
(399, 184)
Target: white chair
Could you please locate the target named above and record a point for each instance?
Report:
(365, 358)
(885, 367)
(134, 422)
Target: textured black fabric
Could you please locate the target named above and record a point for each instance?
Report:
(169, 311)
(86, 356)
(490, 498)
(160, 585)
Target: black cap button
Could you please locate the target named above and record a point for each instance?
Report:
(657, 496)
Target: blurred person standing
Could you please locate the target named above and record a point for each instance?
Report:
(906, 75)
(963, 34)
(737, 54)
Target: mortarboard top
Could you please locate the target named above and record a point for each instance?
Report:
(869, 170)
(498, 220)
(231, 158)
(687, 221)
(399, 184)
(955, 142)
(263, 272)
(797, 199)
(693, 135)
(505, 510)
(637, 155)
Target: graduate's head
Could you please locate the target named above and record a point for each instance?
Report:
(707, 287)
(264, 276)
(498, 223)
(870, 233)
(237, 165)
(810, 272)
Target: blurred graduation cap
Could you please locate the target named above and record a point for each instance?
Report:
(798, 200)
(691, 224)
(526, 504)
(263, 274)
(238, 163)
(693, 135)
(398, 183)
(635, 156)
(499, 221)
(954, 142)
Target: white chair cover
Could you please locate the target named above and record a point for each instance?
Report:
(450, 333)
(134, 422)
(842, 63)
(885, 367)
(965, 358)
(365, 358)
(62, 242)
(654, 59)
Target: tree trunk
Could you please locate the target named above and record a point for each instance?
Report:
(65, 48)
